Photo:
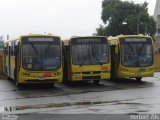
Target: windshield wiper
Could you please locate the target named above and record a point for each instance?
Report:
(48, 48)
(34, 47)
(99, 61)
(130, 47)
(87, 56)
(139, 51)
(84, 59)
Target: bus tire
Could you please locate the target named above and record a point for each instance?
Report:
(96, 82)
(16, 79)
(139, 79)
(65, 81)
(51, 84)
(17, 83)
(15, 74)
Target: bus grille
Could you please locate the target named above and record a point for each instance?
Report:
(41, 81)
(91, 77)
(94, 72)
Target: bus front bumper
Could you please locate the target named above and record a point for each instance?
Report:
(40, 80)
(135, 74)
(102, 76)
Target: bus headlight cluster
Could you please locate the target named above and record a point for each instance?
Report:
(57, 73)
(26, 74)
(124, 70)
(150, 69)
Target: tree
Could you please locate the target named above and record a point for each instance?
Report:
(125, 18)
(101, 31)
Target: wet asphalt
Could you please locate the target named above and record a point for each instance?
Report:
(122, 96)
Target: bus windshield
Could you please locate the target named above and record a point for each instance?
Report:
(41, 53)
(136, 52)
(89, 51)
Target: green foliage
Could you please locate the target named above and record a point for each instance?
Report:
(101, 31)
(135, 16)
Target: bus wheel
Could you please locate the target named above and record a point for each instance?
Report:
(16, 78)
(139, 79)
(17, 83)
(96, 82)
(51, 84)
(65, 81)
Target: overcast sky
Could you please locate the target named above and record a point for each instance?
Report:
(60, 17)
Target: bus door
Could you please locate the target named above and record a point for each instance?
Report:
(12, 60)
(66, 63)
(113, 61)
(17, 61)
(9, 60)
(4, 59)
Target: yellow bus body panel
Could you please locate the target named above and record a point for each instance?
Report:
(134, 72)
(90, 72)
(26, 76)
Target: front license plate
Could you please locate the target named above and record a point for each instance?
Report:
(138, 74)
(142, 69)
(41, 78)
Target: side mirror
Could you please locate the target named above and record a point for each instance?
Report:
(16, 50)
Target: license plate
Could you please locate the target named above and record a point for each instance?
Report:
(142, 69)
(41, 78)
(138, 74)
(47, 74)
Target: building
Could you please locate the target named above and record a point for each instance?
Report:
(157, 19)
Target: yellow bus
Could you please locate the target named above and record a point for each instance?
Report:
(33, 58)
(131, 56)
(86, 58)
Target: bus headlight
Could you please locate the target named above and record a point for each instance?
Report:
(124, 70)
(25, 74)
(57, 73)
(150, 69)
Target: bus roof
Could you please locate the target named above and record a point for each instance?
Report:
(30, 35)
(49, 35)
(124, 36)
(66, 42)
(74, 37)
(115, 40)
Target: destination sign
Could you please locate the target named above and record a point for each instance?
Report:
(40, 39)
(135, 40)
(89, 40)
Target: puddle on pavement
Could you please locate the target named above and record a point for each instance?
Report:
(124, 103)
(2, 109)
(62, 105)
(142, 111)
